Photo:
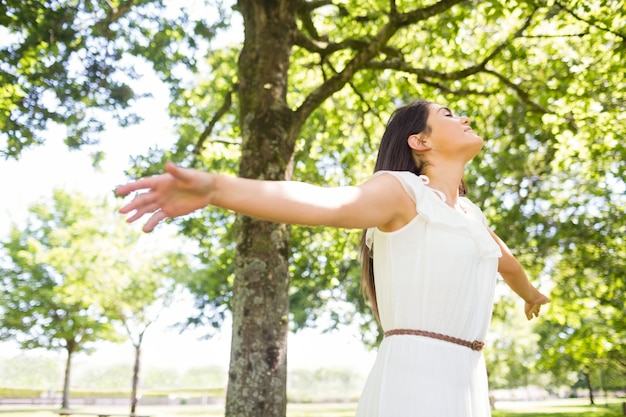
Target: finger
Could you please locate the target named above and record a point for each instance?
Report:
(184, 175)
(140, 205)
(533, 312)
(124, 190)
(176, 171)
(140, 184)
(135, 216)
(142, 210)
(141, 202)
(154, 220)
(536, 311)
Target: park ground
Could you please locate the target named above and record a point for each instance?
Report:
(550, 408)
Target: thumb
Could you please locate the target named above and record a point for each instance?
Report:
(179, 173)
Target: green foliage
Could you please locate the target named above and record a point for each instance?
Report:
(543, 82)
(62, 60)
(75, 274)
(47, 297)
(511, 351)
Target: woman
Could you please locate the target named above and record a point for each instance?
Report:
(430, 262)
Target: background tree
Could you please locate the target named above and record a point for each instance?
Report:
(75, 271)
(306, 95)
(511, 355)
(586, 332)
(45, 273)
(143, 285)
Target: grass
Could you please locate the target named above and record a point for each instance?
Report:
(565, 408)
(562, 408)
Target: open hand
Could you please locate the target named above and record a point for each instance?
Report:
(177, 192)
(532, 308)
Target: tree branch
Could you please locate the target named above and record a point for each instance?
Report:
(519, 90)
(423, 13)
(304, 12)
(566, 35)
(322, 46)
(399, 64)
(446, 89)
(593, 23)
(113, 15)
(197, 150)
(364, 54)
(308, 6)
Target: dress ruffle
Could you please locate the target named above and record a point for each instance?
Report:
(431, 206)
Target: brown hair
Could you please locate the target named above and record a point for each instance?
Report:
(394, 154)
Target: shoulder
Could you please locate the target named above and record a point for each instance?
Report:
(406, 181)
(388, 182)
(394, 195)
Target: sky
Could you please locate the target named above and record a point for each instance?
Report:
(42, 169)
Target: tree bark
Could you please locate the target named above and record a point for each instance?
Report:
(589, 388)
(133, 397)
(260, 305)
(65, 402)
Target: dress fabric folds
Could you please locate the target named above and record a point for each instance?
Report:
(437, 273)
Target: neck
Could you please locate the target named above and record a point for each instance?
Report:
(447, 179)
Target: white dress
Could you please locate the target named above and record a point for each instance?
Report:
(438, 274)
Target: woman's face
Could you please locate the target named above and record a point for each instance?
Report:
(450, 133)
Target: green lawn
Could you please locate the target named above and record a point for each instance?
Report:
(572, 408)
(566, 408)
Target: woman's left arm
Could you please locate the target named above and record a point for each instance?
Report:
(516, 278)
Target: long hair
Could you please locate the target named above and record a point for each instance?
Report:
(394, 154)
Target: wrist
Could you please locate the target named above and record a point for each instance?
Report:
(534, 296)
(210, 187)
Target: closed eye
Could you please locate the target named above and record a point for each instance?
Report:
(448, 112)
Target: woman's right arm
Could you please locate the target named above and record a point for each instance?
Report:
(380, 201)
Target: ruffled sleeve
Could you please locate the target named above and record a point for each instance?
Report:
(430, 205)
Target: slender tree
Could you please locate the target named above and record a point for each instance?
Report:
(142, 286)
(45, 281)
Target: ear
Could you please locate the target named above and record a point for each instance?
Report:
(418, 143)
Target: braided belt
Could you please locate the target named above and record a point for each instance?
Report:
(475, 345)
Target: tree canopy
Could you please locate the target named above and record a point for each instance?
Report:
(47, 271)
(302, 90)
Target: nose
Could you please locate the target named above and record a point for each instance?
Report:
(465, 120)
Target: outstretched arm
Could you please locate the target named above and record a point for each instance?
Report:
(516, 278)
(179, 191)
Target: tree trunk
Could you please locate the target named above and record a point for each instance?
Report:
(260, 305)
(65, 402)
(133, 397)
(589, 388)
